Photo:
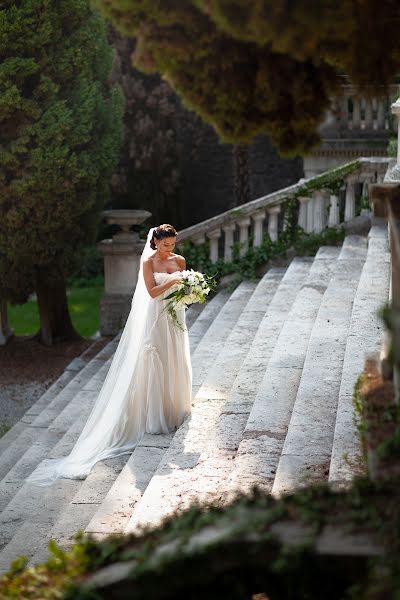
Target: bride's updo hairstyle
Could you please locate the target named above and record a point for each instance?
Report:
(161, 232)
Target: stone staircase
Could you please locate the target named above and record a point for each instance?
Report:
(274, 365)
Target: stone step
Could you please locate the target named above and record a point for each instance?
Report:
(70, 372)
(365, 334)
(103, 520)
(33, 431)
(50, 444)
(260, 448)
(211, 344)
(205, 319)
(222, 373)
(194, 311)
(13, 433)
(114, 512)
(118, 505)
(93, 502)
(253, 368)
(308, 445)
(54, 443)
(200, 455)
(39, 441)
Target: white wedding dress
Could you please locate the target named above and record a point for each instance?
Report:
(148, 388)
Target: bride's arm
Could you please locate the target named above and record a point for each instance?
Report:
(153, 289)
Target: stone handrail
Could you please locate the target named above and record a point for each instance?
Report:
(385, 198)
(319, 207)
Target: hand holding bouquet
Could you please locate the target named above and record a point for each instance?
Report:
(193, 287)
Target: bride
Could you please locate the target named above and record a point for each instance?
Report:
(148, 387)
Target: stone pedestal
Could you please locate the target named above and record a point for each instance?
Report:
(121, 268)
(5, 330)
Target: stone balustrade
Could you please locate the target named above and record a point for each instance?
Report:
(318, 208)
(363, 113)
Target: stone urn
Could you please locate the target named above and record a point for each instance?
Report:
(121, 268)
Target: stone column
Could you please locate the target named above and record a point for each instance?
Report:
(121, 268)
(214, 236)
(229, 230)
(244, 225)
(273, 213)
(334, 215)
(258, 219)
(350, 205)
(304, 202)
(5, 330)
(319, 217)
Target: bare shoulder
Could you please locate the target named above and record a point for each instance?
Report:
(148, 263)
(180, 260)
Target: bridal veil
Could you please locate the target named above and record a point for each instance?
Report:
(107, 433)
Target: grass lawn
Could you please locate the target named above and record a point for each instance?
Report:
(83, 305)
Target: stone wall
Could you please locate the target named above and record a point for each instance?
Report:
(208, 170)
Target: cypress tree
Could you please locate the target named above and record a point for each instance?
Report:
(60, 134)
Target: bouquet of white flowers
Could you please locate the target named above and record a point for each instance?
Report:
(194, 287)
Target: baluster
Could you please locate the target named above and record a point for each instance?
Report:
(304, 202)
(319, 218)
(244, 225)
(380, 177)
(344, 112)
(381, 115)
(365, 193)
(369, 116)
(310, 215)
(258, 219)
(214, 236)
(395, 110)
(334, 215)
(228, 246)
(350, 204)
(356, 113)
(273, 213)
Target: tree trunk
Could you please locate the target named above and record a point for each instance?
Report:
(242, 174)
(55, 320)
(5, 330)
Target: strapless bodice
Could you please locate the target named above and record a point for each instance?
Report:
(162, 274)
